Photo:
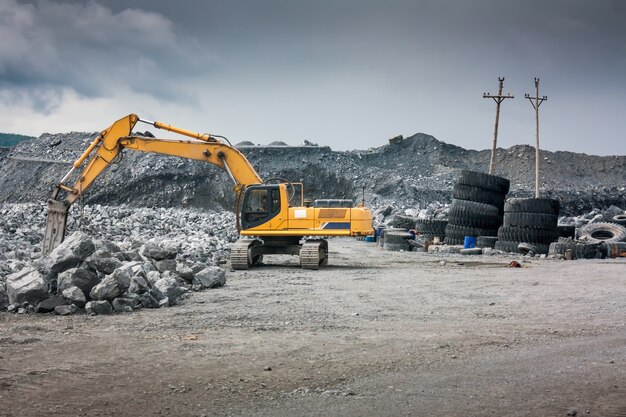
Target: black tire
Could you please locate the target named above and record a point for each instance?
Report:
(476, 221)
(530, 220)
(486, 241)
(391, 230)
(455, 231)
(485, 181)
(396, 247)
(480, 195)
(402, 222)
(523, 234)
(469, 208)
(431, 227)
(566, 231)
(603, 232)
(397, 237)
(532, 205)
(453, 241)
(527, 248)
(579, 250)
(619, 219)
(506, 246)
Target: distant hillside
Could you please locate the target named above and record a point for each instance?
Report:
(8, 140)
(409, 172)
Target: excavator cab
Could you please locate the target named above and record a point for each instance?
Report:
(261, 203)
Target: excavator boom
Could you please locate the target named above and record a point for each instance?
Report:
(112, 141)
(266, 215)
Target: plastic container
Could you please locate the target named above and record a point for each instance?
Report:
(370, 239)
(469, 242)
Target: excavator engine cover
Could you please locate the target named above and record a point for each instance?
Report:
(55, 229)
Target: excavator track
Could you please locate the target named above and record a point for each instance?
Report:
(240, 257)
(313, 254)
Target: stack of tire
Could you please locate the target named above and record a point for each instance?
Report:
(431, 228)
(596, 240)
(477, 206)
(530, 225)
(397, 240)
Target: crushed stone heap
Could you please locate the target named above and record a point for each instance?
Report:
(410, 172)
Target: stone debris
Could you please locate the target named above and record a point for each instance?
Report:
(141, 258)
(26, 286)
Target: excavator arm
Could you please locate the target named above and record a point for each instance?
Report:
(112, 141)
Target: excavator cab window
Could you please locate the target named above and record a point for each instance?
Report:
(260, 204)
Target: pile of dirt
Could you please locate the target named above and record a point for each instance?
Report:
(410, 173)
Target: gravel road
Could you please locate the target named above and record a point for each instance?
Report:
(376, 333)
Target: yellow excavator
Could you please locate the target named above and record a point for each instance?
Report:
(268, 219)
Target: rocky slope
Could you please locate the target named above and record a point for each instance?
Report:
(412, 173)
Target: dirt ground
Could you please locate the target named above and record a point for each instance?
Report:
(373, 334)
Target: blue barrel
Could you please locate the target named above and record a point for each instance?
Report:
(469, 242)
(370, 239)
(379, 231)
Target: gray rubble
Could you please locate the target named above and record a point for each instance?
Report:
(123, 258)
(412, 172)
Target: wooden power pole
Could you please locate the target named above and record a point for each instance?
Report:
(536, 102)
(498, 99)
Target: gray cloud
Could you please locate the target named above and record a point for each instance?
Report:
(92, 50)
(345, 73)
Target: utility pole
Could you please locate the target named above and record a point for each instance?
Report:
(536, 103)
(498, 99)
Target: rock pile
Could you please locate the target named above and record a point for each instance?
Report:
(413, 171)
(122, 259)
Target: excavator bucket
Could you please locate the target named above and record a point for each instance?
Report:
(55, 229)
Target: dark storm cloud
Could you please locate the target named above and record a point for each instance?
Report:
(347, 73)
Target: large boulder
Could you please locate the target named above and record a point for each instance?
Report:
(169, 286)
(158, 249)
(77, 277)
(70, 253)
(48, 305)
(166, 265)
(99, 307)
(103, 264)
(66, 310)
(75, 295)
(184, 271)
(125, 304)
(209, 277)
(27, 285)
(113, 285)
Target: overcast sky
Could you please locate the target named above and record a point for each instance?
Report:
(349, 74)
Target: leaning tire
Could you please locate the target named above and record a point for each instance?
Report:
(603, 232)
(530, 220)
(484, 181)
(532, 205)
